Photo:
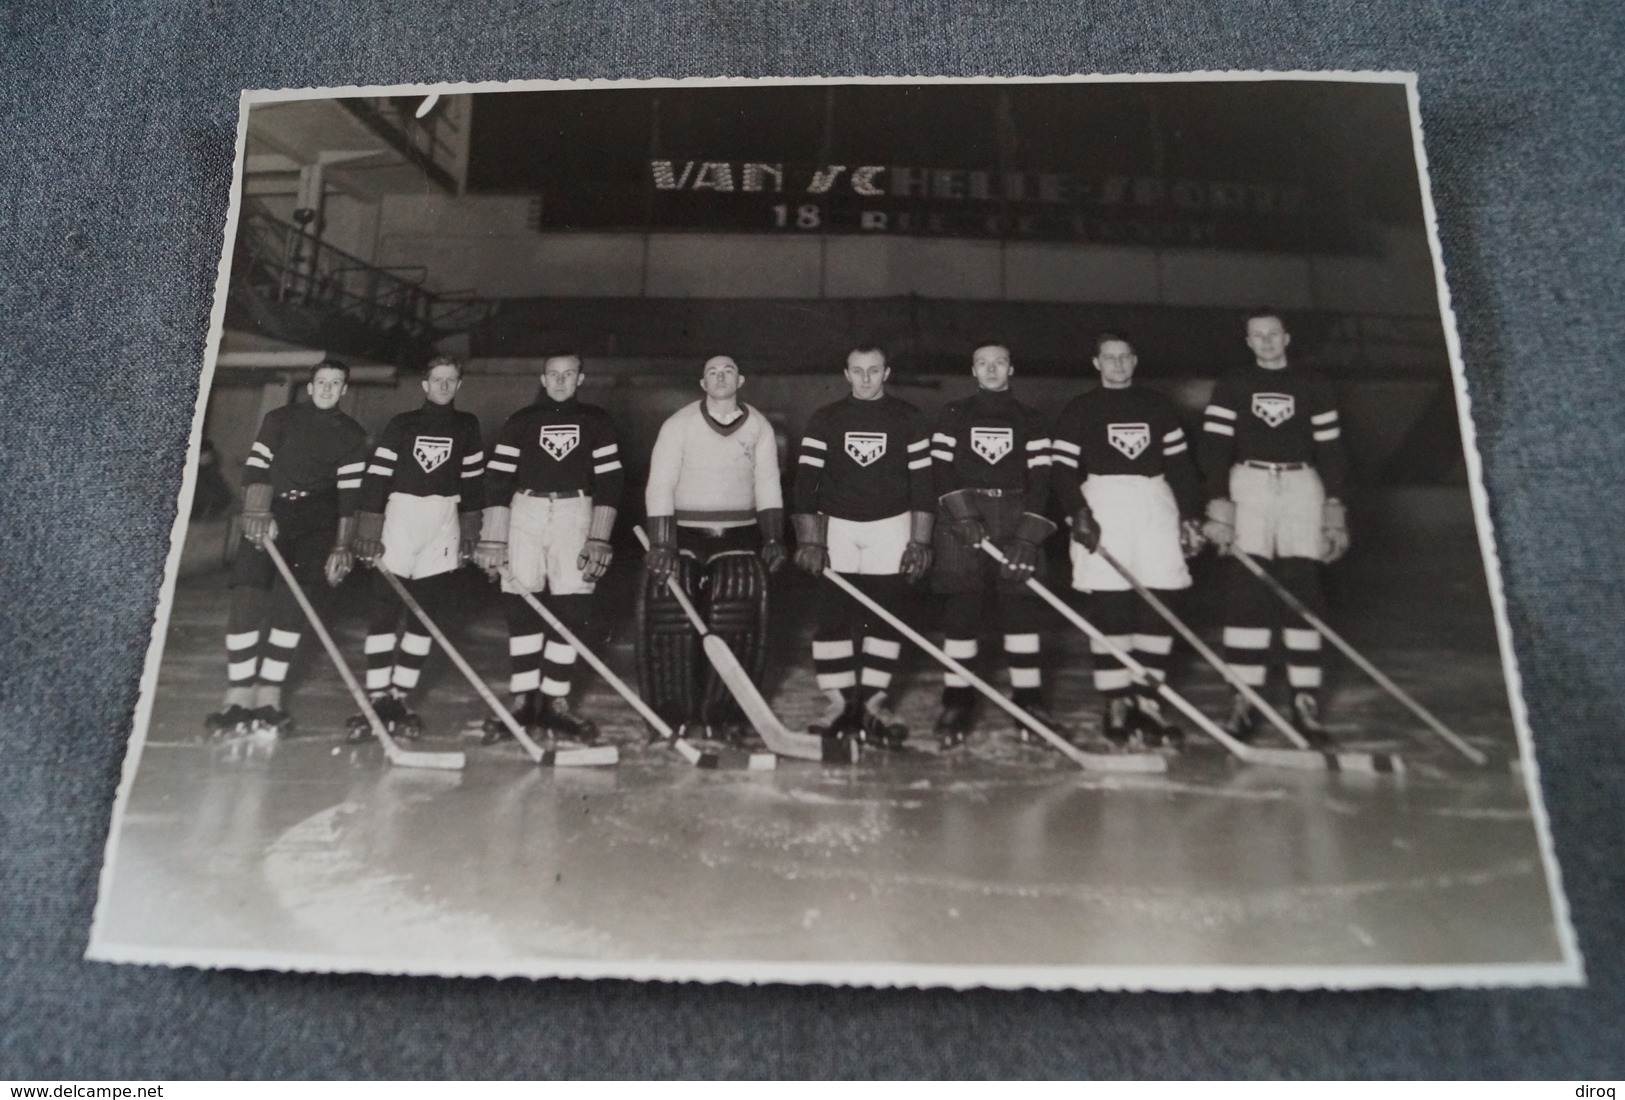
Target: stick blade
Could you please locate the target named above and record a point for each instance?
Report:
(597, 756)
(784, 742)
(412, 758)
(1140, 762)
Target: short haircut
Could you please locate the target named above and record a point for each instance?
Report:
(562, 355)
(442, 361)
(1265, 311)
(992, 342)
(1108, 335)
(330, 364)
(866, 349)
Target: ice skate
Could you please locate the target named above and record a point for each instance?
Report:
(1306, 719)
(954, 723)
(557, 718)
(839, 719)
(879, 724)
(228, 721)
(1243, 721)
(270, 720)
(1154, 728)
(1043, 715)
(494, 729)
(1117, 723)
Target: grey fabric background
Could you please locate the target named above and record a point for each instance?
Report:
(117, 137)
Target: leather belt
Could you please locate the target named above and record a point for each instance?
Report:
(298, 494)
(995, 492)
(570, 494)
(1276, 467)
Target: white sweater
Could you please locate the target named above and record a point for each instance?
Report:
(711, 475)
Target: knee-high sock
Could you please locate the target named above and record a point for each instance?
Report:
(1022, 646)
(834, 655)
(1112, 613)
(558, 656)
(961, 623)
(383, 633)
(245, 634)
(1301, 576)
(413, 652)
(525, 640)
(1250, 618)
(882, 645)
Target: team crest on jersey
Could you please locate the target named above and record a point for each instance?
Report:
(1131, 439)
(992, 443)
(866, 448)
(431, 451)
(1274, 409)
(559, 440)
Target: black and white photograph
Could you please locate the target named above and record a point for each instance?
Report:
(895, 532)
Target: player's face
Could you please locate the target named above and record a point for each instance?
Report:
(721, 378)
(992, 368)
(326, 388)
(867, 372)
(1116, 362)
(441, 385)
(560, 377)
(1268, 338)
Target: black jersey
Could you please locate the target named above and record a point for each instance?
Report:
(305, 449)
(1133, 431)
(865, 460)
(992, 441)
(432, 451)
(556, 447)
(1285, 415)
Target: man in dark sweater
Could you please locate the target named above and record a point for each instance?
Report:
(301, 482)
(552, 488)
(1124, 475)
(1273, 457)
(991, 459)
(865, 505)
(419, 518)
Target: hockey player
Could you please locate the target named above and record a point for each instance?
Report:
(419, 519)
(1123, 473)
(864, 505)
(300, 486)
(991, 459)
(1273, 458)
(552, 487)
(716, 511)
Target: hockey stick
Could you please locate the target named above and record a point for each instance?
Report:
(700, 758)
(785, 742)
(406, 758)
(556, 758)
(1246, 690)
(1352, 654)
(1301, 759)
(1146, 762)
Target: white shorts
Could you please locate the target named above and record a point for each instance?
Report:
(873, 548)
(1278, 512)
(1139, 526)
(421, 536)
(545, 537)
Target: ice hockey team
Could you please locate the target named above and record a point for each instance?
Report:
(949, 516)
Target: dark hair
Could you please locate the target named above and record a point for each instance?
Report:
(330, 364)
(1265, 311)
(441, 361)
(865, 349)
(1110, 334)
(993, 341)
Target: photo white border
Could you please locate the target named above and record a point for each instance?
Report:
(1569, 971)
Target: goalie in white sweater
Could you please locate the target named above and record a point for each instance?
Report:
(716, 510)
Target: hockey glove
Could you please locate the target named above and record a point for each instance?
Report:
(597, 553)
(1334, 530)
(258, 524)
(369, 536)
(771, 523)
(917, 555)
(468, 524)
(1191, 539)
(1022, 550)
(661, 559)
(1085, 531)
(1220, 528)
(812, 541)
(341, 559)
(491, 552)
(964, 519)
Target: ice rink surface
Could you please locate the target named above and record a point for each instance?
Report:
(313, 852)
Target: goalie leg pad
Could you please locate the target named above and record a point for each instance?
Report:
(668, 649)
(736, 613)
